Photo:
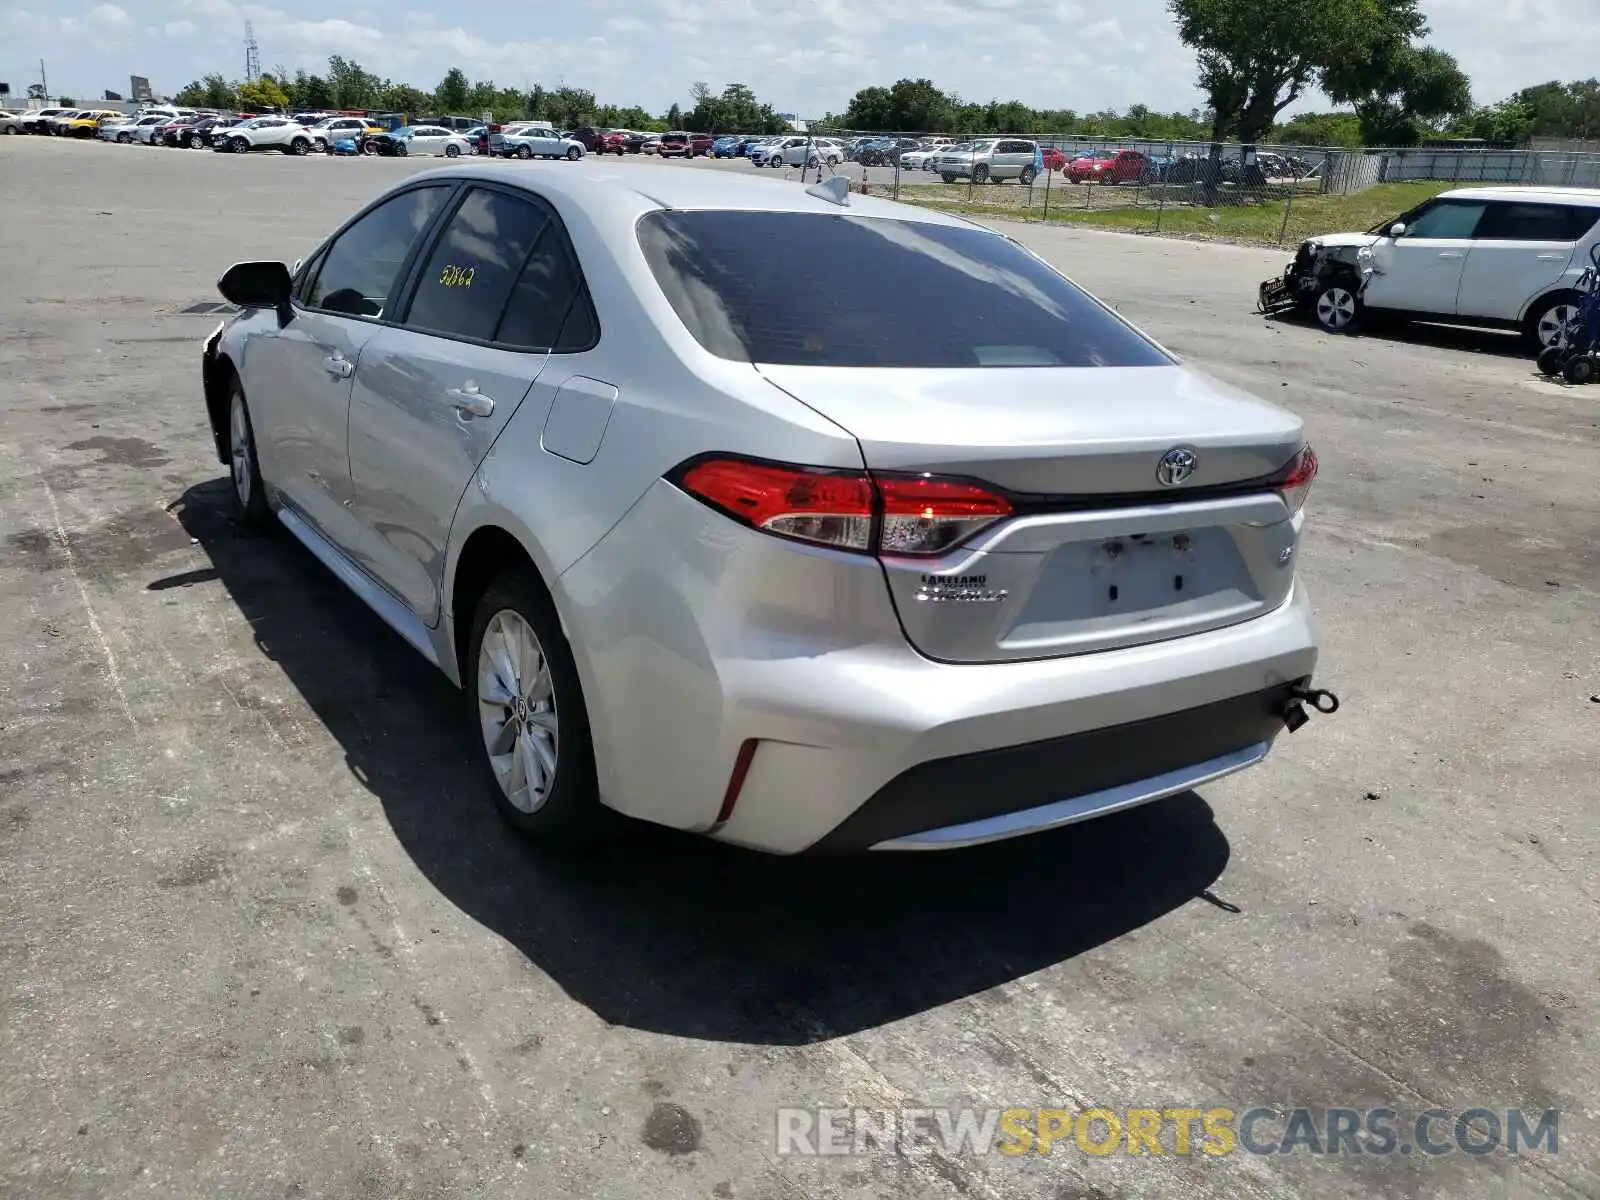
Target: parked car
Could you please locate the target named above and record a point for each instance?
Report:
(680, 144)
(332, 129)
(991, 160)
(536, 143)
(634, 142)
(650, 145)
(10, 123)
(923, 157)
(108, 130)
(421, 140)
(265, 133)
(144, 129)
(87, 123)
(726, 146)
(885, 152)
(614, 142)
(956, 608)
(1497, 257)
(1054, 160)
(589, 137)
(776, 152)
(1112, 166)
(38, 121)
(454, 124)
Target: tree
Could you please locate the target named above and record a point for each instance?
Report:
(310, 91)
(66, 102)
(261, 94)
(1510, 122)
(1257, 57)
(1320, 129)
(674, 117)
(1395, 87)
(36, 92)
(735, 110)
(353, 87)
(569, 107)
(402, 98)
(452, 93)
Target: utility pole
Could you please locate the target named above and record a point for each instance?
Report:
(252, 54)
(43, 82)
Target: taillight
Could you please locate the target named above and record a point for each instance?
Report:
(1295, 480)
(868, 513)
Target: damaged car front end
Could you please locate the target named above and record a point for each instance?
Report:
(1326, 281)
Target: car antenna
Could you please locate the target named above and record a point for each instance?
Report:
(835, 190)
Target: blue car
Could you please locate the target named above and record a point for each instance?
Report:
(727, 147)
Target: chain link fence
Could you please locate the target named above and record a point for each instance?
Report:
(1266, 193)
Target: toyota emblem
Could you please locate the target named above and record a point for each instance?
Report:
(1176, 465)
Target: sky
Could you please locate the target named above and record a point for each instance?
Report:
(806, 57)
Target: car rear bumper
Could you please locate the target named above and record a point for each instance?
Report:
(764, 693)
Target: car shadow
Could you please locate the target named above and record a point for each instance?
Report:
(1501, 343)
(677, 934)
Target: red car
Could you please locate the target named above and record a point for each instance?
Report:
(613, 143)
(686, 145)
(1054, 160)
(1111, 166)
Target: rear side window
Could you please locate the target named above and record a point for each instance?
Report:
(360, 269)
(1534, 223)
(549, 306)
(475, 264)
(869, 292)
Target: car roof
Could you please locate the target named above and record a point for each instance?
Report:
(622, 194)
(1585, 197)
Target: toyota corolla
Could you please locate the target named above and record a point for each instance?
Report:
(950, 554)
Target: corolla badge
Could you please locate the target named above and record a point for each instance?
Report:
(1176, 465)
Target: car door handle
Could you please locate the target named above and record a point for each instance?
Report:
(469, 401)
(339, 366)
(1451, 254)
(1553, 258)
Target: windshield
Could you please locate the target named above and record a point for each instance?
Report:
(921, 295)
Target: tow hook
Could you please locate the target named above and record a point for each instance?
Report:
(1294, 713)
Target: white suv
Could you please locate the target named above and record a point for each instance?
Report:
(1498, 257)
(265, 133)
(991, 160)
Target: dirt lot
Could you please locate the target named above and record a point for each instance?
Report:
(261, 936)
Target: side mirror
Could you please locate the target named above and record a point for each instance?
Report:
(256, 284)
(1398, 229)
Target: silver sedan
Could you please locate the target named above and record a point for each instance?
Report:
(711, 541)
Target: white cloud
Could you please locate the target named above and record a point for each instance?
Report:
(1086, 55)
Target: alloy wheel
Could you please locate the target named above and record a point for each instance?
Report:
(1557, 324)
(517, 711)
(1336, 308)
(239, 448)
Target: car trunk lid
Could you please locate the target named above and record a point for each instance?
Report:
(1102, 552)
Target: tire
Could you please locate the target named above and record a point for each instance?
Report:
(400, 150)
(1027, 177)
(299, 147)
(238, 145)
(980, 173)
(1579, 369)
(124, 139)
(574, 154)
(452, 151)
(1337, 309)
(249, 493)
(369, 148)
(1546, 318)
(524, 151)
(947, 178)
(775, 162)
(1551, 359)
(539, 719)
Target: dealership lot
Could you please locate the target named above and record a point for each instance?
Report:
(263, 936)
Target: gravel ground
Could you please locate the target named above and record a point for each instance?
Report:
(262, 936)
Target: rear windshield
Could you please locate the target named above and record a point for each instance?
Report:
(814, 289)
